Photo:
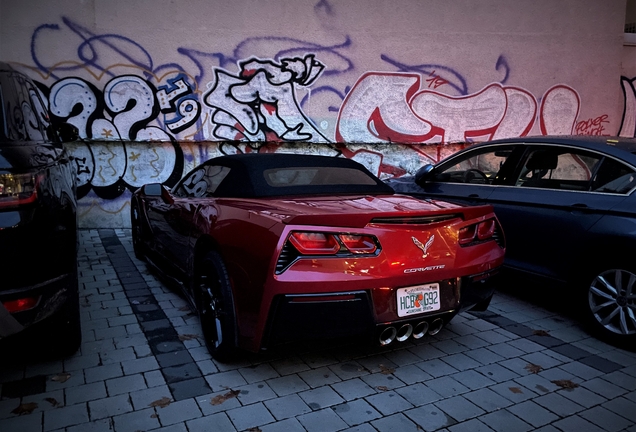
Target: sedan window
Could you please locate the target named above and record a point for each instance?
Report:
(556, 168)
(477, 167)
(614, 177)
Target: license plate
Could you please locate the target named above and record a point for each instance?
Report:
(418, 299)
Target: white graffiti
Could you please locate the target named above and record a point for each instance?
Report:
(559, 110)
(461, 118)
(260, 103)
(390, 107)
(377, 109)
(521, 110)
(628, 126)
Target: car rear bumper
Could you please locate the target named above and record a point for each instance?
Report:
(296, 317)
(50, 296)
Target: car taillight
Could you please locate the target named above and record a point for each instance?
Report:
(20, 305)
(314, 243)
(478, 232)
(486, 229)
(18, 189)
(359, 244)
(320, 243)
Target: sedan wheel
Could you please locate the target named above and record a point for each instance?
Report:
(612, 302)
(216, 308)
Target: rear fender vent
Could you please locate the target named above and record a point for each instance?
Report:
(287, 256)
(498, 236)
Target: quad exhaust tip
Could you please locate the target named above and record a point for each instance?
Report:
(436, 326)
(420, 329)
(390, 333)
(404, 332)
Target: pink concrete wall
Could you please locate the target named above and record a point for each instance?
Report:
(156, 86)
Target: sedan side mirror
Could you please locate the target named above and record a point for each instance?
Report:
(424, 174)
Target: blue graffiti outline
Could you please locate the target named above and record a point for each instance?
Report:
(503, 63)
(304, 47)
(170, 86)
(427, 69)
(324, 5)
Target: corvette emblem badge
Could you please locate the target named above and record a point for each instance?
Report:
(424, 247)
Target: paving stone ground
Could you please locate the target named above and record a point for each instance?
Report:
(142, 367)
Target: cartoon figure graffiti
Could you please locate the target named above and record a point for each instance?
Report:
(259, 104)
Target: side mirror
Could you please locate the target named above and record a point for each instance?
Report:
(153, 189)
(423, 174)
(66, 132)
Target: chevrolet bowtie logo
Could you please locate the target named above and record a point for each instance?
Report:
(422, 246)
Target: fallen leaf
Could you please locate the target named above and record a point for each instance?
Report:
(515, 390)
(566, 384)
(386, 370)
(26, 408)
(533, 368)
(254, 429)
(218, 400)
(187, 337)
(61, 378)
(184, 308)
(540, 333)
(162, 403)
(52, 401)
(154, 416)
(382, 388)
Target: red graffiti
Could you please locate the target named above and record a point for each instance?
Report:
(592, 126)
(435, 80)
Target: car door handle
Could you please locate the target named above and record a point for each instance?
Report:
(473, 196)
(579, 206)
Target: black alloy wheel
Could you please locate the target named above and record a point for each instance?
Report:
(216, 308)
(611, 304)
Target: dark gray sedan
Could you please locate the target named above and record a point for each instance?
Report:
(567, 207)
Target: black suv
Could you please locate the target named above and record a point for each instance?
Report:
(38, 222)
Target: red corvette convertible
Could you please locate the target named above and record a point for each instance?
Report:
(270, 248)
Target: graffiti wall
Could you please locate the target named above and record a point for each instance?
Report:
(155, 89)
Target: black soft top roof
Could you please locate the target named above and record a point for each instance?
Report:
(246, 178)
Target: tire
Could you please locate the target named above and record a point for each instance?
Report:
(137, 234)
(216, 308)
(610, 304)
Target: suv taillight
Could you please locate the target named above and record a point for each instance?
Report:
(18, 189)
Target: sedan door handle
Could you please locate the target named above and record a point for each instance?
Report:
(473, 196)
(579, 205)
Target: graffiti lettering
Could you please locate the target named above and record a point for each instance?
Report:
(435, 81)
(594, 126)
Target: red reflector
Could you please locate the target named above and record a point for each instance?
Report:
(20, 305)
(315, 243)
(359, 244)
(486, 229)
